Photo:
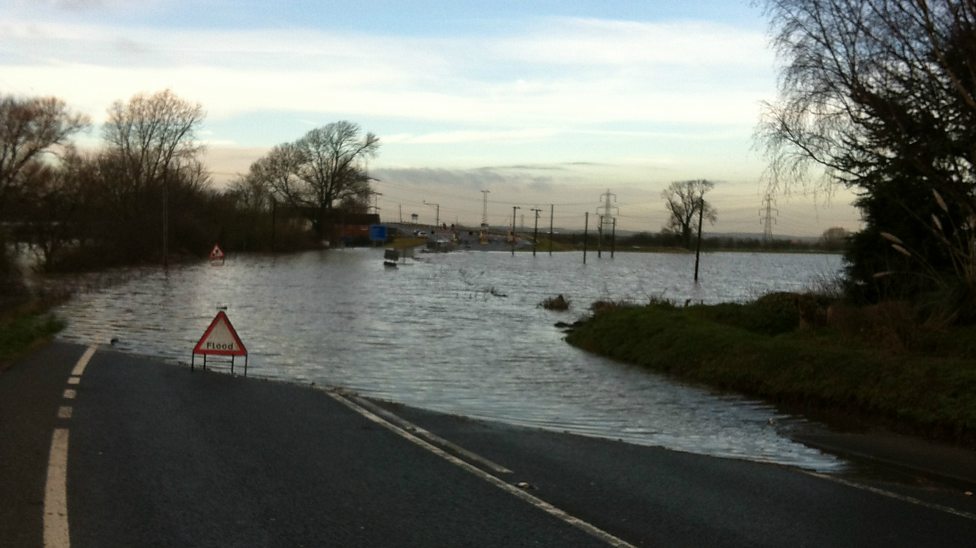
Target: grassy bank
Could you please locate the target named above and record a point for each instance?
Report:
(759, 349)
(23, 329)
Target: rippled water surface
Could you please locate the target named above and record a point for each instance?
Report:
(462, 333)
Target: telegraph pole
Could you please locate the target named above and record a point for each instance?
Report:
(274, 221)
(514, 209)
(552, 208)
(613, 238)
(165, 216)
(535, 232)
(437, 213)
(701, 213)
(599, 236)
(484, 209)
(586, 228)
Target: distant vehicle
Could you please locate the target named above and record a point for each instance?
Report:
(420, 233)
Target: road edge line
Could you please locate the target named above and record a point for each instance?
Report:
(546, 507)
(427, 435)
(892, 495)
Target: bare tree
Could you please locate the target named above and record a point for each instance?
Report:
(327, 166)
(28, 129)
(880, 96)
(153, 165)
(684, 200)
(279, 170)
(153, 134)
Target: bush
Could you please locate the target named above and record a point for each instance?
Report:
(13, 292)
(556, 303)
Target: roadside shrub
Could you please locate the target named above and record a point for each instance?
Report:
(771, 314)
(601, 307)
(13, 292)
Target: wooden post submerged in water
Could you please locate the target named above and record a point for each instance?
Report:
(552, 209)
(613, 238)
(701, 213)
(586, 228)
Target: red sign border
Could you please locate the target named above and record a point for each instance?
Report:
(217, 254)
(233, 333)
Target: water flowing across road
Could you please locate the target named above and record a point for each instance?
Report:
(463, 333)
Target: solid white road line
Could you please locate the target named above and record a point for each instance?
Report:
(429, 436)
(56, 493)
(896, 496)
(504, 486)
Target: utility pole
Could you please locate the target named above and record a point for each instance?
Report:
(514, 209)
(586, 228)
(599, 236)
(613, 238)
(552, 208)
(437, 213)
(274, 221)
(484, 210)
(165, 217)
(535, 233)
(701, 213)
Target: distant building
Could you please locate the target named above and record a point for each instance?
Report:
(349, 228)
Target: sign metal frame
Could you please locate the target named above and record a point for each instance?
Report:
(238, 349)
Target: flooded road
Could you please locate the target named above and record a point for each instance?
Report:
(463, 333)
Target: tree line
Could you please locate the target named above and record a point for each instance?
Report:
(144, 195)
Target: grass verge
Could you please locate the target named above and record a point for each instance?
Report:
(23, 330)
(758, 352)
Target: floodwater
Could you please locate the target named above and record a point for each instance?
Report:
(463, 333)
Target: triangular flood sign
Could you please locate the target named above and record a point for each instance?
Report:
(216, 254)
(220, 339)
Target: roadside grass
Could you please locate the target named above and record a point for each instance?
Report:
(760, 350)
(23, 328)
(405, 243)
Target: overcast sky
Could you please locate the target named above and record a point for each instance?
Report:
(548, 102)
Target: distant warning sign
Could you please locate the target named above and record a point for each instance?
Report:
(216, 254)
(220, 339)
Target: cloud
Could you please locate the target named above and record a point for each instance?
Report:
(472, 179)
(564, 74)
(473, 136)
(576, 41)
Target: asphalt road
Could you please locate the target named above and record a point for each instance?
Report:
(161, 456)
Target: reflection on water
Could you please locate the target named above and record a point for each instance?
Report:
(463, 333)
